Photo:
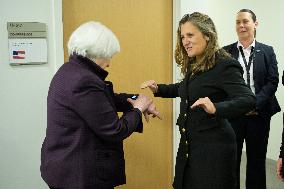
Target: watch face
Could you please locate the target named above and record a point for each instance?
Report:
(134, 97)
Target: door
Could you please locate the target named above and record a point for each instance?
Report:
(144, 29)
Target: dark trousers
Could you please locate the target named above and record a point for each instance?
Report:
(254, 130)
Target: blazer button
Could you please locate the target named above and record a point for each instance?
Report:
(186, 155)
(183, 130)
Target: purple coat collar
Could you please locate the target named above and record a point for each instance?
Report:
(89, 64)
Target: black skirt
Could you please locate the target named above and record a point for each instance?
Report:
(212, 160)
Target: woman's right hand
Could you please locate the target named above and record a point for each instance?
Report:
(142, 102)
(151, 84)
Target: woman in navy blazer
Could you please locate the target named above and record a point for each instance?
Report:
(211, 91)
(261, 74)
(83, 147)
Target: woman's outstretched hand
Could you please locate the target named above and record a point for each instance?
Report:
(151, 84)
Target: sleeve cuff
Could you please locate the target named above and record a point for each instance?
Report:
(139, 128)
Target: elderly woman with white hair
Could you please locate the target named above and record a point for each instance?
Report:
(83, 147)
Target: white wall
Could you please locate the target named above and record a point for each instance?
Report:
(270, 16)
(23, 94)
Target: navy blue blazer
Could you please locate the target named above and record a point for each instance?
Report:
(265, 76)
(83, 147)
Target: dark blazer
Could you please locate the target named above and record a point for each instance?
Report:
(83, 147)
(265, 76)
(225, 86)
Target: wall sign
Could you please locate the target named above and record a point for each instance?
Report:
(27, 43)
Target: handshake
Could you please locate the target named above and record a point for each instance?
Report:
(144, 103)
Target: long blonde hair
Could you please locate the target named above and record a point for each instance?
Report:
(208, 60)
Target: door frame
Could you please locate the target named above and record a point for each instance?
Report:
(176, 78)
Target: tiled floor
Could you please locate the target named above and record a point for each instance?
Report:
(271, 179)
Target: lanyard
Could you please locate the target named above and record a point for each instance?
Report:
(247, 64)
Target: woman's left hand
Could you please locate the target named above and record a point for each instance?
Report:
(206, 104)
(278, 169)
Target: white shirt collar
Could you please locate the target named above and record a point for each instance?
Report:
(249, 47)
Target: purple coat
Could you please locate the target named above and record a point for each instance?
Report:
(83, 147)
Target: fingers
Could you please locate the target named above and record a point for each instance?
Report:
(131, 101)
(201, 102)
(195, 104)
(157, 114)
(146, 116)
(206, 104)
(142, 102)
(152, 110)
(279, 169)
(279, 175)
(146, 106)
(151, 84)
(147, 84)
(248, 114)
(253, 112)
(154, 114)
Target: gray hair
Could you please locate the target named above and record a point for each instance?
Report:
(93, 40)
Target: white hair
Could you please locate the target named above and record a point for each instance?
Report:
(93, 40)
